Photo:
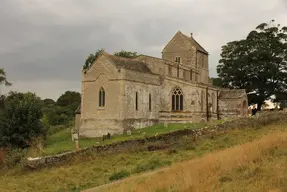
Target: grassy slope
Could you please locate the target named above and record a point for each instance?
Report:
(62, 142)
(256, 166)
(93, 171)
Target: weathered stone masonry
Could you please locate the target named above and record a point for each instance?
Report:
(119, 94)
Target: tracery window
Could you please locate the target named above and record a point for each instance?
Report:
(177, 99)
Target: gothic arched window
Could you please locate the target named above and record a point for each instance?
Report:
(102, 97)
(177, 99)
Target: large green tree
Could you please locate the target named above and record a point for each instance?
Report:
(20, 122)
(257, 63)
(70, 99)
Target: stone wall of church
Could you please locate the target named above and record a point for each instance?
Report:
(169, 68)
(96, 120)
(235, 107)
(195, 98)
(141, 102)
(212, 104)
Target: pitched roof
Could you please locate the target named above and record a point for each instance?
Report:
(128, 63)
(193, 41)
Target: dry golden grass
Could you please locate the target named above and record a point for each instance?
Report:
(209, 172)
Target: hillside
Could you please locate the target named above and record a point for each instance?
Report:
(255, 166)
(92, 170)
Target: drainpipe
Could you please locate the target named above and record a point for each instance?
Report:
(217, 111)
(207, 118)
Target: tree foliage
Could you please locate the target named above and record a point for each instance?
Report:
(62, 111)
(70, 100)
(91, 58)
(3, 78)
(257, 63)
(216, 82)
(20, 120)
(126, 54)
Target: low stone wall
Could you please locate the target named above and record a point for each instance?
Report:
(141, 144)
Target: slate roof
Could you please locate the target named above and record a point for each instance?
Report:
(129, 63)
(232, 94)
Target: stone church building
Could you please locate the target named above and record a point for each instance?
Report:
(119, 94)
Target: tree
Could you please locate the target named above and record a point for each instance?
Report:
(91, 58)
(257, 63)
(281, 98)
(3, 78)
(216, 82)
(126, 54)
(70, 99)
(20, 121)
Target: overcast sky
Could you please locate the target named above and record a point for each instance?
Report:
(44, 43)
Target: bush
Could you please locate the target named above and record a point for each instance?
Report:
(12, 157)
(20, 122)
(119, 175)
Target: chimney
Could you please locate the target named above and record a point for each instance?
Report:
(191, 34)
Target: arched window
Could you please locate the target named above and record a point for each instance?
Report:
(177, 99)
(102, 97)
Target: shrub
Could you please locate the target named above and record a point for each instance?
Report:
(20, 122)
(12, 157)
(119, 175)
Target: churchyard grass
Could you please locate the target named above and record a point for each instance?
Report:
(62, 142)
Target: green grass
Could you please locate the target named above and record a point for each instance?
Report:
(94, 170)
(61, 142)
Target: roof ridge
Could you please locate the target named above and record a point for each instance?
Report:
(119, 57)
(191, 38)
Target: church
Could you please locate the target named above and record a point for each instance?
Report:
(121, 94)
